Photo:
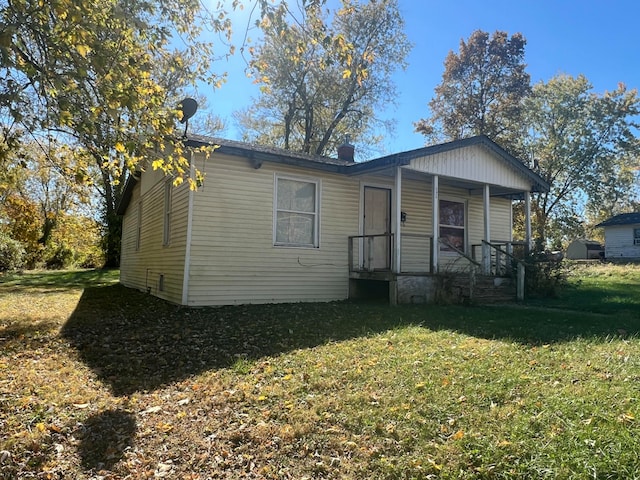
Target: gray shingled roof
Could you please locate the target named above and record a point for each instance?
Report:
(259, 153)
(622, 219)
(262, 152)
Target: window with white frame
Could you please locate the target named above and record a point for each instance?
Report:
(636, 236)
(452, 225)
(166, 231)
(139, 226)
(296, 212)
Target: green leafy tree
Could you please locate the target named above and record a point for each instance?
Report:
(324, 74)
(482, 92)
(584, 144)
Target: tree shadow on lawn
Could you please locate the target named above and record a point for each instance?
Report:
(136, 342)
(104, 437)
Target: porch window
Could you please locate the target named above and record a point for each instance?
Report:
(296, 212)
(452, 225)
(636, 236)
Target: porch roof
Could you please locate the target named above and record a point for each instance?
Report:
(379, 165)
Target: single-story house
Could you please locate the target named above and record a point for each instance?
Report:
(271, 225)
(622, 237)
(583, 249)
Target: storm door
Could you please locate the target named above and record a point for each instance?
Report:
(377, 221)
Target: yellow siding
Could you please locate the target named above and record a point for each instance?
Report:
(417, 230)
(473, 163)
(142, 268)
(417, 203)
(233, 259)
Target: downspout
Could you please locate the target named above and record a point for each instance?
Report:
(187, 253)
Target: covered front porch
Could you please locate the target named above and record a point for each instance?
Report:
(441, 212)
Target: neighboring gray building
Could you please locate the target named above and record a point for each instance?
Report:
(582, 249)
(622, 236)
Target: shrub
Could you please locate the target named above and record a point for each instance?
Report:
(61, 258)
(545, 276)
(11, 253)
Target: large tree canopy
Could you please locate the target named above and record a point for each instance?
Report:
(584, 144)
(101, 76)
(482, 91)
(324, 74)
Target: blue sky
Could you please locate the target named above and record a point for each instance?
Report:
(595, 38)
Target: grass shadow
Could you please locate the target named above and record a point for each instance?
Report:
(612, 298)
(136, 342)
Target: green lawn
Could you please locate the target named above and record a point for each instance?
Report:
(98, 381)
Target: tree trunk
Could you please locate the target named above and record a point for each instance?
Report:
(112, 221)
(111, 242)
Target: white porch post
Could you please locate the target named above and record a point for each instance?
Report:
(527, 221)
(486, 250)
(397, 254)
(435, 215)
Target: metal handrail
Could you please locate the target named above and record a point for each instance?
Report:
(520, 269)
(459, 252)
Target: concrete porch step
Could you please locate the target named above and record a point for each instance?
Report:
(487, 289)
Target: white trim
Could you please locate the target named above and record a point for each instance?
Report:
(486, 209)
(511, 222)
(187, 252)
(527, 221)
(364, 184)
(318, 199)
(397, 198)
(435, 221)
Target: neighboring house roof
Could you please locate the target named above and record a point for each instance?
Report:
(259, 153)
(622, 219)
(588, 243)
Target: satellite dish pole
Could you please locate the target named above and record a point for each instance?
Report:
(188, 107)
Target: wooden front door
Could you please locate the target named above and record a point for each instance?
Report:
(377, 221)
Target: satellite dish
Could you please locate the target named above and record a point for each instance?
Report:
(188, 107)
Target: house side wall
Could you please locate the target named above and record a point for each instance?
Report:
(473, 163)
(233, 257)
(154, 267)
(619, 242)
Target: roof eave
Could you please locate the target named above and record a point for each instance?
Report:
(123, 204)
